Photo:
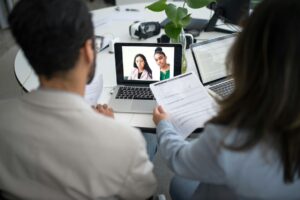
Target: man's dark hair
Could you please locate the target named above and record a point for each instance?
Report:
(51, 32)
(159, 50)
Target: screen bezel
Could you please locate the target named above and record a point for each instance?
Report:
(119, 60)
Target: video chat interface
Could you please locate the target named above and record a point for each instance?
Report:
(129, 53)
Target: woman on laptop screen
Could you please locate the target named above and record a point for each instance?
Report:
(251, 148)
(161, 60)
(141, 69)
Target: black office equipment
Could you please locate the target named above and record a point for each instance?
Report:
(144, 30)
(188, 37)
(229, 11)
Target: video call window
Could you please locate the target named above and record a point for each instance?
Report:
(150, 59)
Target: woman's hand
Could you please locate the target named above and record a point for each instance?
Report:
(159, 114)
(105, 110)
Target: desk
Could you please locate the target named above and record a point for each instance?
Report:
(109, 21)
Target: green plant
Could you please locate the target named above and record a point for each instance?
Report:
(255, 3)
(178, 16)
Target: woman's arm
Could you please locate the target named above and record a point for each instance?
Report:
(196, 159)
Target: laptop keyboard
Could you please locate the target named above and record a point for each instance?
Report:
(127, 92)
(223, 89)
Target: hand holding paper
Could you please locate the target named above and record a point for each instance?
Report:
(186, 101)
(159, 114)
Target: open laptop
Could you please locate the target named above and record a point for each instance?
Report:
(210, 57)
(132, 93)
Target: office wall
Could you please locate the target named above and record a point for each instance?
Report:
(5, 8)
(122, 2)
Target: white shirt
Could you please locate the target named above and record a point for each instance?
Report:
(135, 72)
(54, 146)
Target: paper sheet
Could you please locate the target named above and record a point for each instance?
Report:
(102, 42)
(118, 16)
(186, 100)
(93, 90)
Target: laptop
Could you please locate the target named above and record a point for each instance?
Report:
(210, 57)
(132, 93)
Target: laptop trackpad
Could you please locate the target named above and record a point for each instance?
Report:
(144, 106)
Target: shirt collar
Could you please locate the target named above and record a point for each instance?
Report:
(55, 99)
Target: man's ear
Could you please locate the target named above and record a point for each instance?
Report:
(88, 50)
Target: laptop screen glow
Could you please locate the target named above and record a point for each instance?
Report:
(144, 55)
(210, 58)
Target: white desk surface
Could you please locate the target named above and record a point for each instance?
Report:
(109, 21)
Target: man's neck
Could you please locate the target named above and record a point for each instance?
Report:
(165, 67)
(64, 85)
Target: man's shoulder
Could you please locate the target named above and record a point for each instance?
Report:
(112, 128)
(111, 135)
(125, 131)
(7, 105)
(8, 101)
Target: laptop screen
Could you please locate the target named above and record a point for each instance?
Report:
(146, 62)
(210, 56)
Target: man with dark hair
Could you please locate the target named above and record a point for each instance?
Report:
(53, 144)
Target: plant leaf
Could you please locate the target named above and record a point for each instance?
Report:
(157, 6)
(185, 21)
(181, 13)
(198, 3)
(172, 30)
(171, 12)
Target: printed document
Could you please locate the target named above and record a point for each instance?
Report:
(94, 90)
(186, 100)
